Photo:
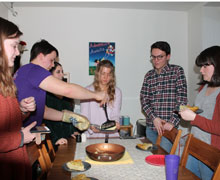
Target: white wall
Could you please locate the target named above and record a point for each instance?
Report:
(204, 30)
(195, 20)
(133, 31)
(3, 11)
(211, 26)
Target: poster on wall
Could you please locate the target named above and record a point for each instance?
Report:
(99, 51)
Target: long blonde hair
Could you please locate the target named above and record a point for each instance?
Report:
(8, 30)
(112, 82)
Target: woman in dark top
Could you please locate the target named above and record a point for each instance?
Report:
(60, 131)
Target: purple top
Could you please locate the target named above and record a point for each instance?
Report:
(96, 114)
(27, 80)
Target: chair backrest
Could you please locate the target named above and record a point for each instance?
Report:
(173, 136)
(43, 150)
(34, 154)
(206, 153)
(50, 148)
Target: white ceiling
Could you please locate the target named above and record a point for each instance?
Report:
(171, 6)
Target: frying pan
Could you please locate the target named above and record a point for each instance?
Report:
(105, 152)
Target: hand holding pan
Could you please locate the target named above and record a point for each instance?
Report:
(109, 124)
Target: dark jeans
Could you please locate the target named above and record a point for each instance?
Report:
(152, 136)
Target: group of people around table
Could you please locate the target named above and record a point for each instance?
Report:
(37, 94)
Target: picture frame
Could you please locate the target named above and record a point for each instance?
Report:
(66, 77)
(99, 51)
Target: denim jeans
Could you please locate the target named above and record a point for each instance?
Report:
(199, 168)
(152, 136)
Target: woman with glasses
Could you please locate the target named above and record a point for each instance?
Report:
(206, 126)
(164, 89)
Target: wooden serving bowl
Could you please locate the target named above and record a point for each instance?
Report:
(105, 152)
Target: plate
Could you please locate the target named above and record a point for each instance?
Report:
(92, 178)
(103, 130)
(198, 111)
(86, 167)
(108, 131)
(154, 147)
(156, 159)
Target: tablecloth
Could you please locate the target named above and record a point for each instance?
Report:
(139, 170)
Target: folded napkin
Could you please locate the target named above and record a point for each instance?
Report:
(126, 159)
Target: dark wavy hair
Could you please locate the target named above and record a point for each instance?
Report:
(162, 45)
(210, 56)
(8, 30)
(55, 66)
(112, 83)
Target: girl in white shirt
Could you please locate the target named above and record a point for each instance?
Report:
(104, 80)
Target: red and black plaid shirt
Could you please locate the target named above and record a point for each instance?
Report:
(162, 94)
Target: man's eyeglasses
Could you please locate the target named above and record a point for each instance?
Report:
(157, 57)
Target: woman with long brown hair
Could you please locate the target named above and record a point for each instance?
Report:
(104, 80)
(14, 162)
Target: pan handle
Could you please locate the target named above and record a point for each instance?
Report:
(105, 109)
(105, 157)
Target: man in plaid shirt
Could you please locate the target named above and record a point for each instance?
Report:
(164, 89)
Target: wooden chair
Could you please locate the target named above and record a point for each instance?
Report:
(40, 153)
(50, 148)
(173, 136)
(35, 154)
(206, 153)
(43, 150)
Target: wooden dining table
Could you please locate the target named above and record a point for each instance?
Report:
(66, 153)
